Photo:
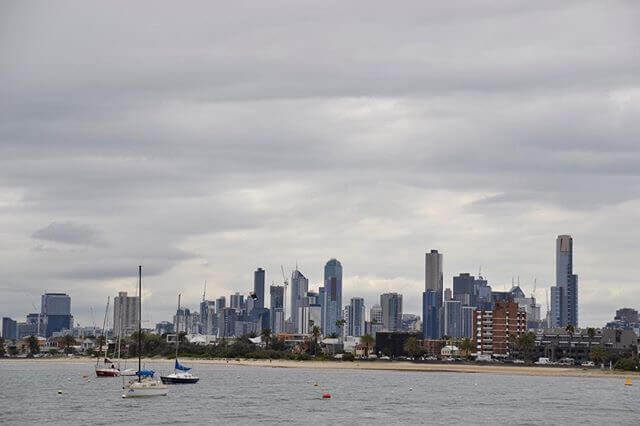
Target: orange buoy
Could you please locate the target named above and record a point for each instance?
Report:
(326, 395)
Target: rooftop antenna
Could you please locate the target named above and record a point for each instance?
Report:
(518, 280)
(480, 271)
(204, 292)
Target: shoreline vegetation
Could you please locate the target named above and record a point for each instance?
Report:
(406, 366)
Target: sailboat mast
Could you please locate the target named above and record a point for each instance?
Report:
(178, 331)
(139, 323)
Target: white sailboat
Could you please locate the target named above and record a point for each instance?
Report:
(107, 369)
(145, 385)
(180, 373)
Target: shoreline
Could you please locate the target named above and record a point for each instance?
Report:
(405, 366)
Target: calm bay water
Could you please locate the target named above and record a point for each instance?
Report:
(228, 394)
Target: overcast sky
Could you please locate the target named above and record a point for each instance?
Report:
(205, 139)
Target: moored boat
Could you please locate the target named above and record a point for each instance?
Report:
(180, 373)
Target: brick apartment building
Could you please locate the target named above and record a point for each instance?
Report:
(491, 329)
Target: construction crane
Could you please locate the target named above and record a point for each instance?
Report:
(284, 299)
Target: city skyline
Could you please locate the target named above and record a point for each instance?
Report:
(371, 139)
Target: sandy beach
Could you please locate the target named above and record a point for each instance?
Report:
(379, 365)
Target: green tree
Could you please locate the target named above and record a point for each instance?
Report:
(591, 332)
(368, 341)
(68, 341)
(526, 343)
(315, 332)
(266, 337)
(13, 350)
(340, 323)
(413, 347)
(34, 348)
(466, 346)
(599, 354)
(2, 351)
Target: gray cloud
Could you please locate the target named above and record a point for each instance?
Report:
(205, 143)
(69, 233)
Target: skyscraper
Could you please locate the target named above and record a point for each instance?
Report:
(207, 315)
(356, 317)
(467, 321)
(9, 328)
(375, 314)
(453, 318)
(564, 295)
(236, 301)
(125, 314)
(56, 312)
(276, 293)
(433, 282)
(430, 315)
(258, 288)
(332, 297)
(299, 289)
(391, 304)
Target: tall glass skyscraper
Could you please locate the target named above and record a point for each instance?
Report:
(332, 305)
(258, 288)
(356, 317)
(564, 295)
(433, 282)
(299, 290)
(391, 304)
(56, 312)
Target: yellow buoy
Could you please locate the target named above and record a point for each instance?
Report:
(628, 382)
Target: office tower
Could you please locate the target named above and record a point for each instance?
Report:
(164, 327)
(207, 315)
(258, 288)
(375, 314)
(299, 288)
(356, 317)
(9, 329)
(125, 314)
(410, 322)
(344, 328)
(467, 321)
(464, 289)
(627, 315)
(262, 319)
(564, 295)
(55, 309)
(448, 295)
(332, 297)
(431, 315)
(236, 301)
(433, 281)
(182, 321)
(453, 318)
(391, 304)
(227, 322)
(493, 330)
(321, 300)
(276, 293)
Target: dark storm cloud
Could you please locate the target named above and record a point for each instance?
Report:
(205, 141)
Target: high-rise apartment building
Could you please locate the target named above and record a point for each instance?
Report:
(299, 289)
(207, 315)
(564, 295)
(258, 288)
(391, 304)
(356, 317)
(467, 321)
(126, 310)
(375, 314)
(332, 305)
(493, 329)
(433, 282)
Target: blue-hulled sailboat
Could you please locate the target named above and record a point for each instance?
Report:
(180, 373)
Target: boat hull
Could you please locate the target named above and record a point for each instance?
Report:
(107, 372)
(178, 380)
(141, 390)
